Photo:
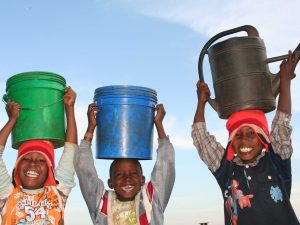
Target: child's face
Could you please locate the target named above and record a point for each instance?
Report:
(32, 170)
(246, 144)
(126, 179)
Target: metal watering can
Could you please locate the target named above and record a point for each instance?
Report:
(240, 72)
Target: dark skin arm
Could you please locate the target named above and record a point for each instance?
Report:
(160, 114)
(203, 93)
(12, 109)
(69, 102)
(92, 123)
(287, 69)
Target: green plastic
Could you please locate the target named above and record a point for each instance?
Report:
(40, 95)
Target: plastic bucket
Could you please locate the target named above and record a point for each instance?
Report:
(40, 95)
(125, 122)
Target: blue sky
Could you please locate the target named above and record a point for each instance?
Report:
(156, 44)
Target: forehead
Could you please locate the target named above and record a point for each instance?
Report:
(245, 128)
(126, 164)
(34, 154)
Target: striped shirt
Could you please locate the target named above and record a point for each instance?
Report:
(212, 152)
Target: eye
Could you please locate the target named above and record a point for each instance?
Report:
(118, 174)
(238, 135)
(134, 173)
(42, 161)
(26, 159)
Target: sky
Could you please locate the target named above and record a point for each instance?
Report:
(155, 44)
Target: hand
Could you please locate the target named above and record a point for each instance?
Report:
(12, 109)
(244, 201)
(202, 92)
(287, 67)
(160, 114)
(91, 114)
(69, 96)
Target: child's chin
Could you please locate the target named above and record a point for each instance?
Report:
(32, 187)
(126, 198)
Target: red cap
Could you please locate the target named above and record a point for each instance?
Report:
(255, 119)
(45, 148)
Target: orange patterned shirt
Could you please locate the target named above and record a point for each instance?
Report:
(39, 209)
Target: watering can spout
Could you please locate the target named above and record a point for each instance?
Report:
(282, 57)
(213, 104)
(275, 81)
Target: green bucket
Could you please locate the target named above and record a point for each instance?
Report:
(40, 95)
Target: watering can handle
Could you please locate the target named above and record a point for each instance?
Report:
(251, 31)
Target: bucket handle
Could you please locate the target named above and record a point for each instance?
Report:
(251, 31)
(5, 99)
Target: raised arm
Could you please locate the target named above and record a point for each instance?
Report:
(209, 150)
(12, 109)
(65, 171)
(203, 93)
(281, 129)
(287, 69)
(92, 123)
(158, 121)
(91, 186)
(69, 101)
(163, 173)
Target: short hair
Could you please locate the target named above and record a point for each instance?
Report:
(112, 165)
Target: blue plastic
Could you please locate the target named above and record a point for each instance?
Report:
(125, 122)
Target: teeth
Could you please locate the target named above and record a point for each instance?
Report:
(31, 173)
(127, 188)
(245, 150)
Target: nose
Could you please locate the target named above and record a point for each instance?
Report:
(34, 162)
(127, 177)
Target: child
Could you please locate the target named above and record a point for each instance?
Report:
(35, 195)
(133, 201)
(254, 171)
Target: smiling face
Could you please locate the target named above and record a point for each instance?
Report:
(246, 144)
(32, 170)
(126, 179)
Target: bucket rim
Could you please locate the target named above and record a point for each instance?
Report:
(35, 75)
(125, 91)
(124, 87)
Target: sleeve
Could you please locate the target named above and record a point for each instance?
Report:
(163, 173)
(5, 181)
(281, 131)
(65, 170)
(210, 151)
(92, 188)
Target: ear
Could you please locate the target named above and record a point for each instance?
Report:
(143, 180)
(110, 183)
(13, 178)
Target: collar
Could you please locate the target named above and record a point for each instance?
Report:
(239, 162)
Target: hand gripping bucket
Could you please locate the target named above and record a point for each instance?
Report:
(40, 95)
(125, 122)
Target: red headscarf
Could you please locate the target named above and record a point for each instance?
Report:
(255, 119)
(43, 147)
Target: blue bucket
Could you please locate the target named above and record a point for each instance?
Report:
(125, 122)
